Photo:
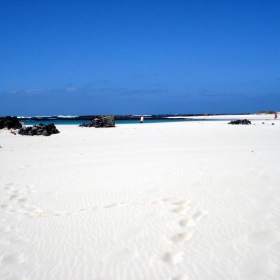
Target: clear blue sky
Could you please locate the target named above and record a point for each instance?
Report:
(139, 57)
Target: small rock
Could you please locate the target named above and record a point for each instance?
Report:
(246, 122)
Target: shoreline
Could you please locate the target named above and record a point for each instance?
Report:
(232, 117)
(226, 118)
(134, 117)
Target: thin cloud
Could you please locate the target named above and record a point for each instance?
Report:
(71, 89)
(147, 91)
(34, 91)
(11, 92)
(24, 91)
(90, 90)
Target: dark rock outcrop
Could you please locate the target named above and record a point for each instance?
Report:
(10, 122)
(39, 129)
(246, 122)
(87, 124)
(105, 121)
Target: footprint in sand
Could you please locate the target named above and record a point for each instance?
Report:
(181, 277)
(5, 206)
(199, 215)
(181, 203)
(156, 202)
(181, 209)
(14, 196)
(16, 192)
(123, 204)
(182, 237)
(38, 214)
(83, 210)
(112, 205)
(62, 213)
(30, 189)
(173, 257)
(188, 222)
(179, 206)
(87, 209)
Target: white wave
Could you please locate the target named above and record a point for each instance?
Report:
(69, 116)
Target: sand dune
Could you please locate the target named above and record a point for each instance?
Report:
(170, 201)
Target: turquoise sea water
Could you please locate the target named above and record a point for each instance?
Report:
(118, 122)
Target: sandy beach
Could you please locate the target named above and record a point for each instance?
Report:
(255, 117)
(164, 201)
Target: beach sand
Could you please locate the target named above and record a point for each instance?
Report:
(263, 117)
(165, 201)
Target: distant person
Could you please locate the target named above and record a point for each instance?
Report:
(275, 116)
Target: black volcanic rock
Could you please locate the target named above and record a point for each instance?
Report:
(87, 124)
(246, 122)
(105, 121)
(39, 129)
(10, 123)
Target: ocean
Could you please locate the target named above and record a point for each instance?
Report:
(117, 122)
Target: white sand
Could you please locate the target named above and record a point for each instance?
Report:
(262, 117)
(186, 200)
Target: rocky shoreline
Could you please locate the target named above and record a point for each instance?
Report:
(117, 117)
(16, 127)
(92, 117)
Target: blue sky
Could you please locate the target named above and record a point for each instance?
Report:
(139, 57)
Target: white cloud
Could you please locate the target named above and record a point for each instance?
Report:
(33, 90)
